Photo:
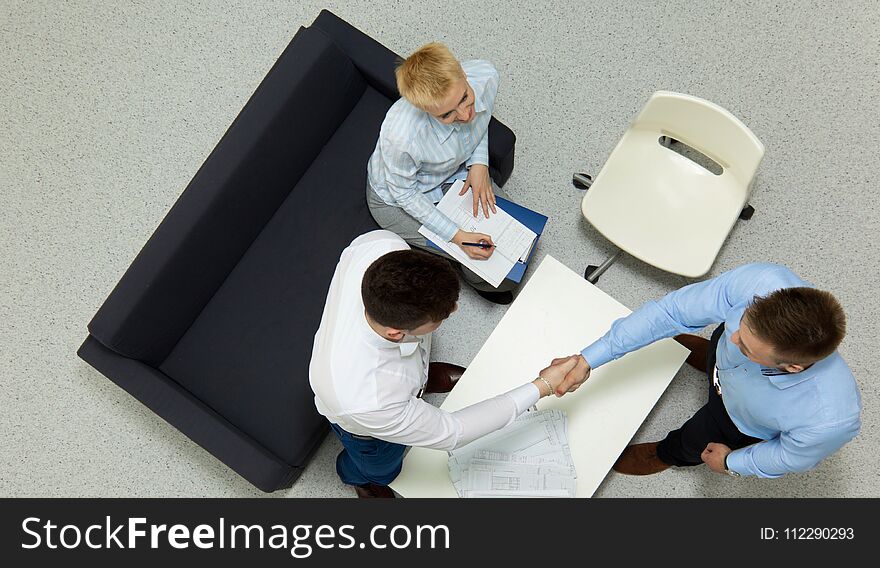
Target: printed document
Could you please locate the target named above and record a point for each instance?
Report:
(512, 239)
(529, 458)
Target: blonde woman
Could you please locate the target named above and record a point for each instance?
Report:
(437, 133)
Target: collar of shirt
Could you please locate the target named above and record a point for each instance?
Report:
(444, 131)
(406, 347)
(785, 380)
(778, 378)
(409, 344)
(479, 90)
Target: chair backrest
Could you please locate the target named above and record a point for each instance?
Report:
(705, 127)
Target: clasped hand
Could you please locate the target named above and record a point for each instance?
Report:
(554, 375)
(575, 376)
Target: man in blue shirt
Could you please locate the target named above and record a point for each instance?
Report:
(781, 397)
(437, 133)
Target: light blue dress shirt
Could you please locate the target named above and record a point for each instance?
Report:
(416, 153)
(802, 417)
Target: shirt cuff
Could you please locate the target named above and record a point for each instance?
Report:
(442, 225)
(460, 174)
(448, 232)
(524, 397)
(483, 160)
(736, 462)
(597, 354)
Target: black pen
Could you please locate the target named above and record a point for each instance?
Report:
(481, 245)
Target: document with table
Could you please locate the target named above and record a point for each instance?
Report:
(528, 458)
(556, 313)
(513, 240)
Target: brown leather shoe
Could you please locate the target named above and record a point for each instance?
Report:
(640, 459)
(699, 348)
(373, 491)
(442, 377)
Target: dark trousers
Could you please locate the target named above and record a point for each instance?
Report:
(366, 460)
(711, 423)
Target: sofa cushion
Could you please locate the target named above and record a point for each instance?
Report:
(246, 355)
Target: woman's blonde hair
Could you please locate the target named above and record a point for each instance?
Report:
(425, 77)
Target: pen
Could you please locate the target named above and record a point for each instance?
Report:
(481, 245)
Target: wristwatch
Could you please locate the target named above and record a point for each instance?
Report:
(729, 471)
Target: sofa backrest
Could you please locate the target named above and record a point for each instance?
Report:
(375, 61)
(293, 113)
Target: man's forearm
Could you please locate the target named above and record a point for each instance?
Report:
(643, 327)
(687, 309)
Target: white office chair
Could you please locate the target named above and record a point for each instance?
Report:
(662, 207)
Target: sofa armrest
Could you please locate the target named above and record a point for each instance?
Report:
(502, 144)
(188, 414)
(377, 63)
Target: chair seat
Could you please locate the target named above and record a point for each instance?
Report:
(661, 207)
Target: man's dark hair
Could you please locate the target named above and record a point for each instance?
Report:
(408, 288)
(802, 324)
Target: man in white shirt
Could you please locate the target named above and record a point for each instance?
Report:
(370, 363)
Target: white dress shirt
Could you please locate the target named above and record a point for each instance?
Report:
(370, 386)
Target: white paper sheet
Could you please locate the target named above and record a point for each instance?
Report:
(512, 239)
(530, 457)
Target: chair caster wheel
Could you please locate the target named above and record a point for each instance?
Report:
(747, 212)
(582, 181)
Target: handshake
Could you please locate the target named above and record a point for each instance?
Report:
(564, 375)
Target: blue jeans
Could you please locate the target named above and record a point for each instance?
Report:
(367, 460)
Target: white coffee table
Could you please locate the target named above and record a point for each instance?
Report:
(557, 313)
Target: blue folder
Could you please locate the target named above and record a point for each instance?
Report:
(531, 219)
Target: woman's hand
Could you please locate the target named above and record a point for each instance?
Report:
(476, 253)
(478, 181)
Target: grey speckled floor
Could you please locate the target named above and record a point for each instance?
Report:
(107, 110)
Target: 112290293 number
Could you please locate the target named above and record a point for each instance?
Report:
(814, 533)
